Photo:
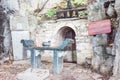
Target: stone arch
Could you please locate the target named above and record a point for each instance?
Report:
(67, 32)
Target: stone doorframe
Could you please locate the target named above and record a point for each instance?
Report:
(68, 32)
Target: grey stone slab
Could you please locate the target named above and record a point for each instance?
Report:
(17, 36)
(34, 74)
(19, 23)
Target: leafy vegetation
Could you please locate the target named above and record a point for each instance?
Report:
(83, 14)
(62, 5)
(79, 3)
(50, 13)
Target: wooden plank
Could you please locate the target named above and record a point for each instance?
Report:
(99, 27)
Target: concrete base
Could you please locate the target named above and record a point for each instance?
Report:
(34, 74)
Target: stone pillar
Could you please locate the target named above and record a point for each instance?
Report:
(36, 58)
(58, 61)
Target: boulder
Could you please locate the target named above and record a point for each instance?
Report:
(97, 60)
(115, 77)
(117, 7)
(99, 40)
(96, 9)
(107, 66)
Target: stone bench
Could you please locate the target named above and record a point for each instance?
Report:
(58, 54)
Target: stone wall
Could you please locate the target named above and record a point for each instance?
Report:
(49, 30)
(25, 20)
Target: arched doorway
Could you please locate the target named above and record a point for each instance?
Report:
(67, 32)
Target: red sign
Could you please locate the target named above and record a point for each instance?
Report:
(99, 27)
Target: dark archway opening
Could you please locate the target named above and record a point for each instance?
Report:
(67, 32)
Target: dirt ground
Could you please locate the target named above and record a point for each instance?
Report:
(71, 71)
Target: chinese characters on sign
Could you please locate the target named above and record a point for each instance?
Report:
(67, 14)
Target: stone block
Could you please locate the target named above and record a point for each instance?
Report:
(34, 74)
(19, 23)
(17, 36)
(84, 46)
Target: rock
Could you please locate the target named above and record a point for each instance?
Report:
(33, 74)
(99, 40)
(116, 68)
(96, 9)
(109, 50)
(88, 60)
(96, 76)
(106, 67)
(110, 10)
(116, 77)
(117, 7)
(99, 50)
(97, 61)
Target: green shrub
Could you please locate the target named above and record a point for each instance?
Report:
(50, 13)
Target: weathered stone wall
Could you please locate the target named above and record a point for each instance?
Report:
(83, 46)
(25, 20)
(102, 60)
(50, 31)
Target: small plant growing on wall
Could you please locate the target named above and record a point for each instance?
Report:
(83, 14)
(50, 14)
(79, 3)
(75, 3)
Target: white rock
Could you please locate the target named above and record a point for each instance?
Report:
(33, 74)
